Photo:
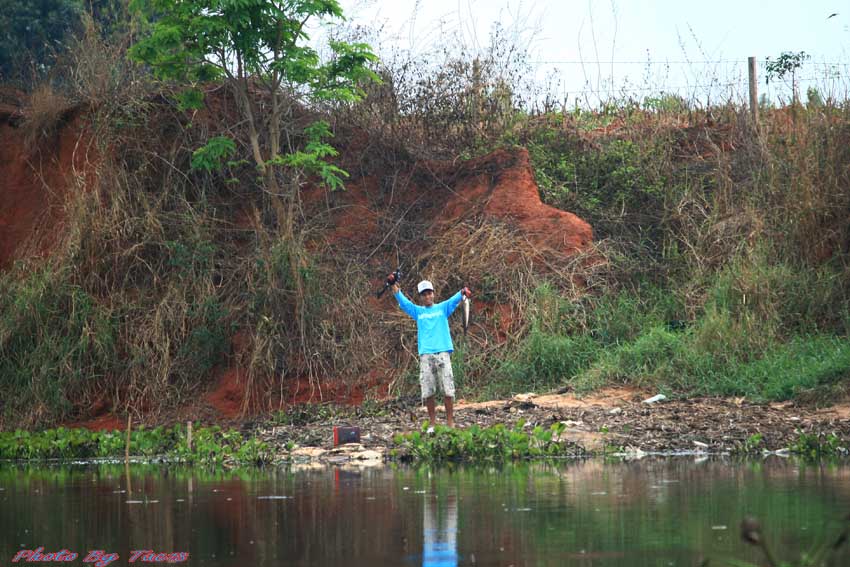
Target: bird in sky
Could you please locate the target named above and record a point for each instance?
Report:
(832, 15)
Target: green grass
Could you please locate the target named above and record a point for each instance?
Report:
(738, 345)
(660, 359)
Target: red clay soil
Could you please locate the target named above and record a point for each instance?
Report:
(502, 186)
(33, 182)
(228, 397)
(499, 185)
(357, 216)
(105, 422)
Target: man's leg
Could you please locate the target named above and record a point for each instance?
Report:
(432, 411)
(450, 416)
(428, 384)
(447, 383)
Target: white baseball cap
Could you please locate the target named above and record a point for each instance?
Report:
(424, 285)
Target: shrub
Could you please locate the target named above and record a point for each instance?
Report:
(57, 344)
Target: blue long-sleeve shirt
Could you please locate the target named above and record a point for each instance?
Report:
(432, 323)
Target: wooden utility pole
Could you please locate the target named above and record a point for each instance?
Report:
(754, 94)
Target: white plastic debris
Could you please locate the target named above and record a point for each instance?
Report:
(655, 398)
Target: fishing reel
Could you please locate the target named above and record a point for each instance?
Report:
(392, 279)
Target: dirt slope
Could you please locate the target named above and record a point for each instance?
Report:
(44, 159)
(37, 167)
(438, 195)
(499, 185)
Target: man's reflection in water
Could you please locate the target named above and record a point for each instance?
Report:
(439, 529)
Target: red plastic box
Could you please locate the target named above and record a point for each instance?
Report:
(345, 434)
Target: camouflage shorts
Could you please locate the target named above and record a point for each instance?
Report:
(436, 369)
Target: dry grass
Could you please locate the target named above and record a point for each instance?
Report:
(46, 112)
(99, 74)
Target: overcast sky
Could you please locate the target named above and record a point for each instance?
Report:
(628, 44)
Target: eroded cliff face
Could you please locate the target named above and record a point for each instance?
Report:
(502, 186)
(42, 168)
(38, 166)
(499, 185)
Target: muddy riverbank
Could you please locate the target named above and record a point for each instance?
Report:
(612, 420)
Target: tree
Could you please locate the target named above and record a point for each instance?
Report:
(256, 44)
(36, 31)
(786, 64)
(259, 48)
(33, 32)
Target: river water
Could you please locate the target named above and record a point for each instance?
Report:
(650, 512)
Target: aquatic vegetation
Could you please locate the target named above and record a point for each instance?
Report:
(496, 443)
(818, 445)
(210, 445)
(753, 444)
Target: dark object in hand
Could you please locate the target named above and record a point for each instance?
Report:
(392, 280)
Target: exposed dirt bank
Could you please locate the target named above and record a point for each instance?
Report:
(611, 418)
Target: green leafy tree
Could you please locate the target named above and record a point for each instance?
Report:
(788, 63)
(255, 45)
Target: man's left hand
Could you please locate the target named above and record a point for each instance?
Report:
(466, 292)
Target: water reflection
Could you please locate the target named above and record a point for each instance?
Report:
(584, 512)
(439, 530)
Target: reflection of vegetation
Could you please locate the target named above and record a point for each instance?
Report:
(29, 474)
(638, 511)
(821, 555)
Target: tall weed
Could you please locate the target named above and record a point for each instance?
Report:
(58, 344)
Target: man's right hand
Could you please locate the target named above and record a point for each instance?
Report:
(393, 282)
